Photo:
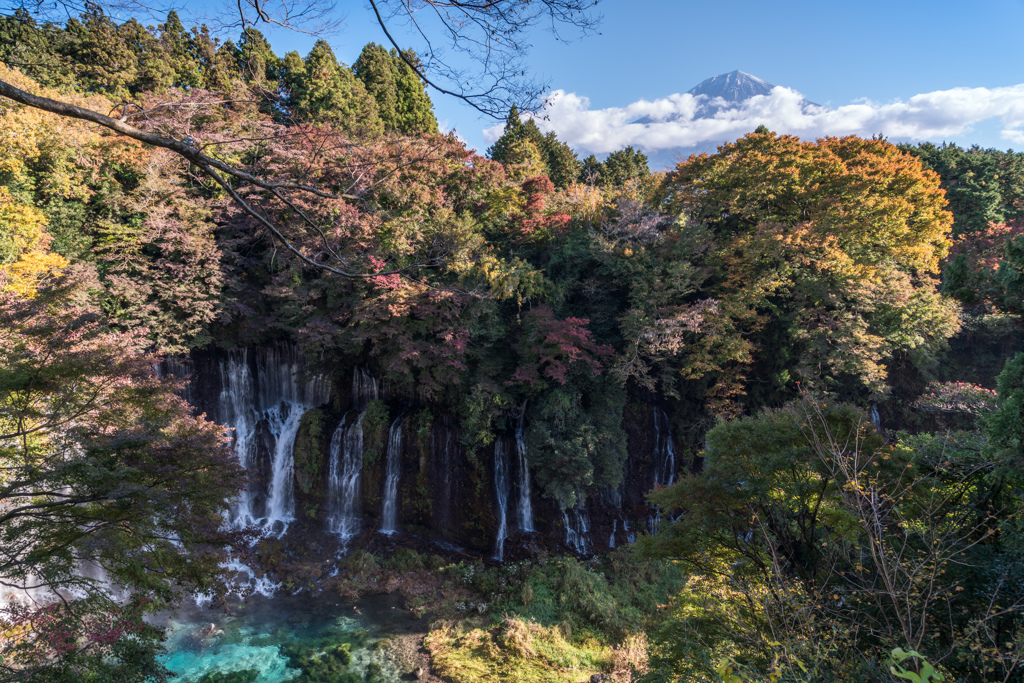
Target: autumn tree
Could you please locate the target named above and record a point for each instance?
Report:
(109, 484)
(489, 36)
(823, 257)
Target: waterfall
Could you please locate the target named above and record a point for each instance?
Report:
(654, 523)
(346, 467)
(274, 397)
(524, 510)
(664, 456)
(389, 515)
(876, 420)
(611, 539)
(630, 534)
(283, 421)
(577, 528)
(237, 409)
(364, 388)
(502, 487)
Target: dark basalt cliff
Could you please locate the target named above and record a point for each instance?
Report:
(441, 490)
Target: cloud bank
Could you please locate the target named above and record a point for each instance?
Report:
(672, 122)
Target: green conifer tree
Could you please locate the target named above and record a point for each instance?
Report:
(328, 91)
(181, 52)
(107, 63)
(38, 51)
(376, 70)
(258, 64)
(563, 164)
(624, 165)
(515, 132)
(400, 94)
(415, 110)
(154, 71)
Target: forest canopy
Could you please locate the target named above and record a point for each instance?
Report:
(165, 193)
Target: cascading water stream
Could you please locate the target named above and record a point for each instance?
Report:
(577, 528)
(524, 510)
(274, 397)
(283, 422)
(346, 467)
(664, 456)
(237, 409)
(389, 514)
(346, 460)
(364, 388)
(502, 488)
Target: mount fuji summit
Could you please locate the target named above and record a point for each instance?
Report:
(720, 96)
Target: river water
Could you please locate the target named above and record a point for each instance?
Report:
(262, 635)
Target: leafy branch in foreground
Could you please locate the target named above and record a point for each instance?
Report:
(817, 548)
(112, 491)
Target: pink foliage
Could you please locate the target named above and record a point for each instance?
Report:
(956, 397)
(984, 248)
(534, 218)
(551, 346)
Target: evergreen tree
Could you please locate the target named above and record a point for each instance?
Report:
(293, 73)
(563, 165)
(206, 56)
(514, 132)
(415, 110)
(181, 52)
(376, 70)
(107, 62)
(401, 98)
(38, 51)
(590, 170)
(558, 161)
(328, 91)
(154, 71)
(224, 73)
(257, 61)
(983, 186)
(624, 165)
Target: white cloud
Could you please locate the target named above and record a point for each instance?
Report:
(936, 115)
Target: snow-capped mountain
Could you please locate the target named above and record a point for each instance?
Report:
(720, 93)
(714, 97)
(734, 86)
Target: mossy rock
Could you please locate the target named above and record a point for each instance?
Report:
(310, 448)
(321, 666)
(376, 425)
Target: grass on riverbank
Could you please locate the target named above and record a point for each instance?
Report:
(475, 651)
(557, 620)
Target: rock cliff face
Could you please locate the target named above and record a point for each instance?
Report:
(343, 457)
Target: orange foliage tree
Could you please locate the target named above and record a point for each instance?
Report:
(823, 258)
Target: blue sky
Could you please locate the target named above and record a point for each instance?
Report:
(834, 54)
